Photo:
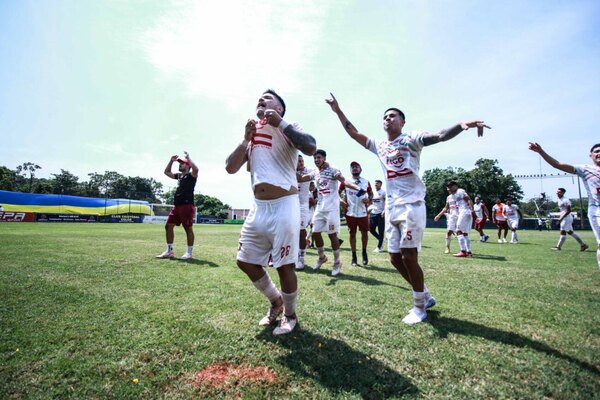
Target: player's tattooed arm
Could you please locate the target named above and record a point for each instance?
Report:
(453, 131)
(348, 126)
(302, 141)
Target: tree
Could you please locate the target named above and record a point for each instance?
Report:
(66, 183)
(208, 205)
(486, 180)
(28, 168)
(8, 179)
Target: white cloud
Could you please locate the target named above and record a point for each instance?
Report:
(236, 48)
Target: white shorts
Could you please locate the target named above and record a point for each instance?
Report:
(465, 221)
(594, 217)
(405, 225)
(451, 221)
(513, 223)
(270, 232)
(326, 221)
(567, 223)
(305, 216)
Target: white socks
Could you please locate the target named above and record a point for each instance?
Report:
(561, 240)
(321, 251)
(169, 246)
(448, 239)
(419, 300)
(576, 237)
(190, 249)
(290, 300)
(266, 286)
(336, 255)
(598, 256)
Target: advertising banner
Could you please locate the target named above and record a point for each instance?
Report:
(42, 217)
(123, 218)
(11, 216)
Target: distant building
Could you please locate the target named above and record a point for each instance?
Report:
(237, 213)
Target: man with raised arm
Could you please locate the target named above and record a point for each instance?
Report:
(399, 156)
(270, 232)
(590, 175)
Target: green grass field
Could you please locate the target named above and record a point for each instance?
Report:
(87, 312)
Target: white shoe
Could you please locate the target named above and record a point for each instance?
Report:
(272, 313)
(414, 316)
(377, 250)
(320, 262)
(186, 256)
(300, 265)
(166, 254)
(504, 240)
(499, 240)
(337, 268)
(286, 325)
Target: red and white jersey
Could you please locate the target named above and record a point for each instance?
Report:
(452, 206)
(356, 206)
(327, 184)
(272, 158)
(461, 203)
(590, 175)
(498, 212)
(303, 189)
(564, 204)
(478, 209)
(400, 161)
(511, 212)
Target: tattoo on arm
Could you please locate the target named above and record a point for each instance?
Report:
(302, 141)
(348, 125)
(443, 135)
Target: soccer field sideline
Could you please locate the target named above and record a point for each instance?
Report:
(504, 326)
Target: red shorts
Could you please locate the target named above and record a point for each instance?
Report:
(182, 215)
(480, 223)
(502, 224)
(353, 222)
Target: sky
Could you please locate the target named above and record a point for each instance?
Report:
(105, 85)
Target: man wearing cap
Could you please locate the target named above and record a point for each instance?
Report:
(184, 211)
(356, 202)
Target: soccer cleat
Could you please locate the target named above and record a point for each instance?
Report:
(186, 256)
(555, 248)
(337, 268)
(286, 325)
(365, 258)
(354, 262)
(461, 254)
(447, 250)
(504, 240)
(300, 264)
(272, 314)
(320, 262)
(485, 238)
(430, 302)
(584, 247)
(499, 240)
(469, 254)
(377, 250)
(166, 254)
(414, 316)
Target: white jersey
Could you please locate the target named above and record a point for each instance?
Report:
(272, 158)
(452, 207)
(400, 161)
(478, 209)
(590, 175)
(303, 189)
(356, 206)
(461, 203)
(327, 184)
(378, 201)
(564, 205)
(511, 212)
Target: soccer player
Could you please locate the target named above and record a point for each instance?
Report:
(566, 222)
(356, 211)
(312, 203)
(499, 219)
(270, 231)
(451, 211)
(184, 211)
(590, 175)
(481, 217)
(377, 218)
(513, 216)
(327, 211)
(304, 196)
(465, 219)
(399, 156)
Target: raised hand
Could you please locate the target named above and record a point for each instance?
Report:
(250, 130)
(480, 125)
(333, 103)
(273, 118)
(535, 147)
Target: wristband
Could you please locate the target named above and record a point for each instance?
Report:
(282, 125)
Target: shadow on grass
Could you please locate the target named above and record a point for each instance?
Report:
(338, 367)
(488, 257)
(344, 276)
(445, 325)
(197, 261)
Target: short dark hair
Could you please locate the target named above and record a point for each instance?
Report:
(594, 146)
(452, 183)
(397, 110)
(321, 152)
(562, 190)
(377, 180)
(278, 97)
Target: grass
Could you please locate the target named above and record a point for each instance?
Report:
(86, 309)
